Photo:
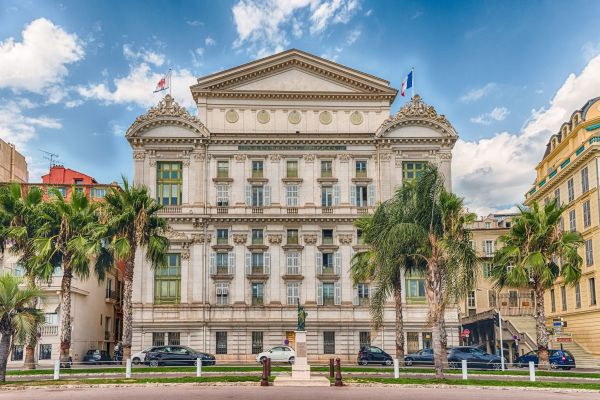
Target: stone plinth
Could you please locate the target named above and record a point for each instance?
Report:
(301, 370)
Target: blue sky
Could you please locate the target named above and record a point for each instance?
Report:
(75, 74)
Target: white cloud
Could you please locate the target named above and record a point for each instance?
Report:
(476, 94)
(417, 14)
(197, 57)
(18, 128)
(40, 60)
(137, 88)
(143, 55)
(195, 23)
(590, 50)
(263, 25)
(334, 53)
(497, 114)
(210, 41)
(369, 12)
(495, 173)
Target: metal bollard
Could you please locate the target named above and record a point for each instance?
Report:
(268, 367)
(531, 371)
(57, 370)
(264, 379)
(338, 373)
(396, 368)
(464, 369)
(128, 369)
(331, 368)
(198, 367)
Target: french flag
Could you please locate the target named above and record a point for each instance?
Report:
(407, 83)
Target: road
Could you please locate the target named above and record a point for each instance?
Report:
(184, 392)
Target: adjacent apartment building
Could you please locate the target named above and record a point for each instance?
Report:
(568, 173)
(261, 190)
(96, 306)
(13, 166)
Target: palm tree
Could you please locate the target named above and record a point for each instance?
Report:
(69, 237)
(19, 218)
(131, 222)
(529, 258)
(18, 319)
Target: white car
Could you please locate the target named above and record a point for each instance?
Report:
(140, 356)
(279, 354)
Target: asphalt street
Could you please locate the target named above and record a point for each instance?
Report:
(184, 392)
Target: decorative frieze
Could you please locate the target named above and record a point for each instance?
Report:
(175, 236)
(345, 238)
(385, 156)
(310, 239)
(139, 155)
(275, 158)
(309, 157)
(275, 239)
(201, 238)
(240, 157)
(240, 238)
(185, 254)
(345, 158)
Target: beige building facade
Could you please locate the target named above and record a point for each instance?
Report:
(261, 190)
(13, 166)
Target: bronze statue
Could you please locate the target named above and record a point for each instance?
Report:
(301, 317)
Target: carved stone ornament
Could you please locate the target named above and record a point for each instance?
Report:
(167, 111)
(263, 116)
(417, 111)
(232, 116)
(240, 157)
(240, 238)
(309, 157)
(153, 162)
(385, 156)
(275, 238)
(398, 162)
(310, 239)
(200, 238)
(325, 117)
(275, 157)
(345, 157)
(139, 155)
(199, 156)
(185, 255)
(345, 238)
(186, 163)
(294, 117)
(175, 236)
(356, 118)
(446, 156)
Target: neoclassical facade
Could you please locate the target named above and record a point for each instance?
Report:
(261, 190)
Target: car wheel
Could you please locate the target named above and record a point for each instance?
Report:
(154, 363)
(263, 360)
(387, 362)
(553, 365)
(136, 361)
(363, 362)
(496, 366)
(408, 362)
(292, 360)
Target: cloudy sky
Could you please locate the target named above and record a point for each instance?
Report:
(75, 74)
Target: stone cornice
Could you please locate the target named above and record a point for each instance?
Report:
(198, 221)
(268, 95)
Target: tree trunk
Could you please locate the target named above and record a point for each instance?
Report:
(444, 339)
(127, 310)
(4, 351)
(435, 296)
(65, 310)
(540, 327)
(29, 362)
(399, 325)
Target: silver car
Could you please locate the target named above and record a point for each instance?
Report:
(279, 354)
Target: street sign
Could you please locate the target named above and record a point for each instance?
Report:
(564, 339)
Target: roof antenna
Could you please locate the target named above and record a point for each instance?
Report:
(50, 157)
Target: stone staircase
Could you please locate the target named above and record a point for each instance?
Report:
(519, 325)
(583, 359)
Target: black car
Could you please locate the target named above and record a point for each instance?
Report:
(373, 355)
(177, 355)
(423, 357)
(557, 358)
(476, 358)
(97, 357)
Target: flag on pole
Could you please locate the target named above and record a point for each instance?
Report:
(407, 83)
(164, 83)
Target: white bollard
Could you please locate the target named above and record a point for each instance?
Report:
(396, 369)
(198, 367)
(531, 371)
(464, 369)
(57, 370)
(128, 369)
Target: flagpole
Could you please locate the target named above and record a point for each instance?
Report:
(170, 73)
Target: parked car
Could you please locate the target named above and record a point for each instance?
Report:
(140, 356)
(177, 355)
(558, 359)
(373, 355)
(476, 358)
(424, 356)
(97, 357)
(278, 354)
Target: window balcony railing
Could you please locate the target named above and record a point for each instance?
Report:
(257, 210)
(48, 330)
(257, 270)
(328, 270)
(292, 210)
(170, 210)
(327, 210)
(222, 210)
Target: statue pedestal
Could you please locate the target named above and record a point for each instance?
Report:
(301, 370)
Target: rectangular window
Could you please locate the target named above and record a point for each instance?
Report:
(257, 236)
(563, 297)
(291, 169)
(222, 169)
(327, 263)
(415, 288)
(489, 248)
(360, 238)
(222, 236)
(169, 182)
(292, 236)
(513, 298)
(258, 198)
(222, 195)
(222, 263)
(221, 340)
(486, 269)
(17, 353)
(257, 342)
(412, 170)
(328, 294)
(174, 338)
(167, 281)
(98, 193)
(364, 339)
(327, 236)
(592, 283)
(587, 216)
(552, 300)
(257, 169)
(293, 293)
(492, 298)
(589, 252)
(292, 195)
(258, 294)
(326, 196)
(293, 263)
(326, 169)
(158, 338)
(585, 184)
(577, 295)
(361, 169)
(222, 289)
(329, 342)
(471, 299)
(488, 225)
(570, 190)
(362, 196)
(557, 196)
(45, 352)
(572, 221)
(363, 294)
(258, 263)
